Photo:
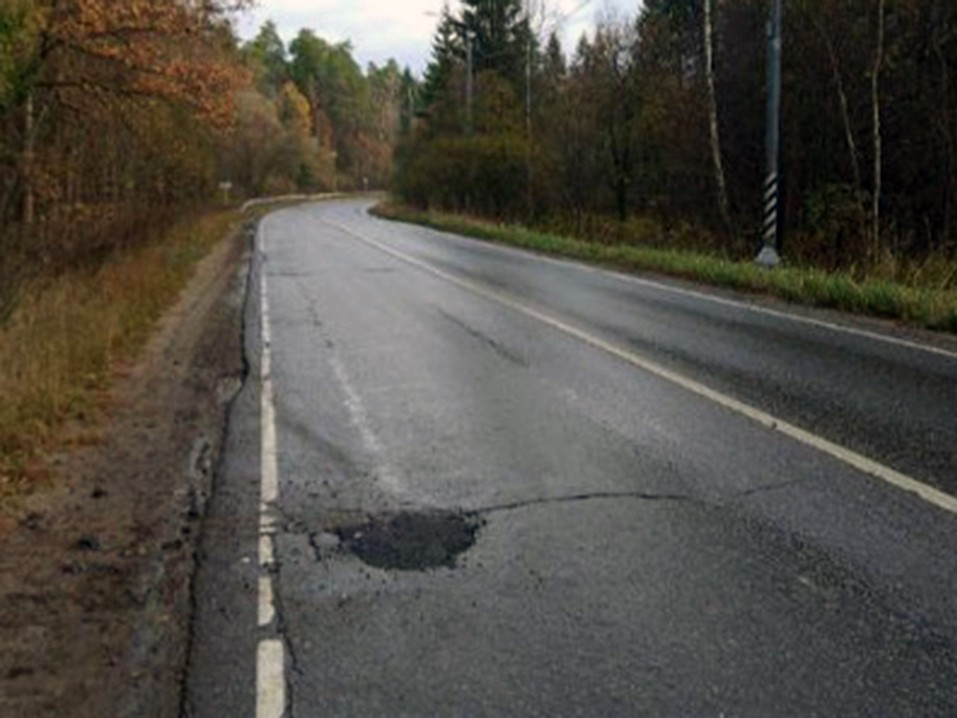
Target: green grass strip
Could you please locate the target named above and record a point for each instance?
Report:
(928, 308)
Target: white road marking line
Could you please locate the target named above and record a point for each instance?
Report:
(270, 679)
(270, 473)
(266, 556)
(360, 420)
(858, 461)
(724, 301)
(268, 523)
(777, 314)
(267, 604)
(270, 655)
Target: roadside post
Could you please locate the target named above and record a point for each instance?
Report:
(769, 257)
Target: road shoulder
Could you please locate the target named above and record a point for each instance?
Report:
(96, 570)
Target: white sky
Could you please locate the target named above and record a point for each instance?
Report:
(403, 29)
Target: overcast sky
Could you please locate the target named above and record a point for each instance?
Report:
(380, 29)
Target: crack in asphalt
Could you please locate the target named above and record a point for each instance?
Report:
(292, 526)
(767, 488)
(283, 633)
(590, 496)
(497, 347)
(288, 526)
(216, 476)
(637, 495)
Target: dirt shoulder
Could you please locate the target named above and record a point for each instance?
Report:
(96, 569)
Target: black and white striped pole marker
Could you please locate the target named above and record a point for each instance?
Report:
(768, 256)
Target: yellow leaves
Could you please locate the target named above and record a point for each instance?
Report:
(294, 109)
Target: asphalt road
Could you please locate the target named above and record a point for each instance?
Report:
(465, 480)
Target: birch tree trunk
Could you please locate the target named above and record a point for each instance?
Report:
(876, 108)
(721, 187)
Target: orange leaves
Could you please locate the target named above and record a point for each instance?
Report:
(175, 50)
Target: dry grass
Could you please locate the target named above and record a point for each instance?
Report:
(68, 335)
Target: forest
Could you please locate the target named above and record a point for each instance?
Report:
(119, 118)
(132, 130)
(652, 128)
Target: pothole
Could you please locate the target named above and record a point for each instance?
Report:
(412, 541)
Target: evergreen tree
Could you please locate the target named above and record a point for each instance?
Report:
(446, 48)
(499, 33)
(269, 52)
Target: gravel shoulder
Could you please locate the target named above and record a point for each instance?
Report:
(96, 569)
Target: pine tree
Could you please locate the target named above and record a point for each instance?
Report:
(499, 33)
(446, 48)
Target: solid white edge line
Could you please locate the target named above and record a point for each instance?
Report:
(270, 654)
(270, 679)
(778, 314)
(724, 301)
(847, 456)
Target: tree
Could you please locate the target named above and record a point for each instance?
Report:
(268, 51)
(876, 110)
(446, 49)
(721, 188)
(19, 23)
(499, 35)
(85, 57)
(611, 73)
(663, 117)
(333, 83)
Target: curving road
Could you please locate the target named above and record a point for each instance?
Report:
(463, 479)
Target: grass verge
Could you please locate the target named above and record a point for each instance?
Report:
(928, 308)
(68, 335)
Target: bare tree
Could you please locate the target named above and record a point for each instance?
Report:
(876, 109)
(944, 124)
(852, 150)
(719, 180)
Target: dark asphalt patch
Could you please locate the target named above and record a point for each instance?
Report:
(412, 541)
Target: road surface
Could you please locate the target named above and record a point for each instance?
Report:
(466, 480)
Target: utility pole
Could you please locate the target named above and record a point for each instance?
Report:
(768, 256)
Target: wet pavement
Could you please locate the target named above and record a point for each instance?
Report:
(485, 506)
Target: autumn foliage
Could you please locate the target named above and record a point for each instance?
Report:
(117, 116)
(333, 125)
(109, 113)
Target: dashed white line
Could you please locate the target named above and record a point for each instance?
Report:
(847, 456)
(267, 607)
(360, 420)
(270, 679)
(266, 556)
